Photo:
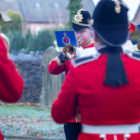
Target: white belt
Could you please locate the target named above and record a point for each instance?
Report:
(110, 129)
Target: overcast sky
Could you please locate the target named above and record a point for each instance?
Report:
(132, 4)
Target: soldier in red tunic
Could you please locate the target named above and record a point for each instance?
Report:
(11, 83)
(82, 29)
(104, 88)
(61, 63)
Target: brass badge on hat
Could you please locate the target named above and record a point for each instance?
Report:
(78, 17)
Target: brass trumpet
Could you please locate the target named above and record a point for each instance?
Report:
(69, 51)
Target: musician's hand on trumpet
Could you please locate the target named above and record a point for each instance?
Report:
(62, 57)
(68, 52)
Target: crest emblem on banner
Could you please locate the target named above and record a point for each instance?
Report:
(65, 39)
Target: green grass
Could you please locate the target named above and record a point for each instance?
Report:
(28, 120)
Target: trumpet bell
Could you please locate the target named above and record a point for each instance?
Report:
(69, 49)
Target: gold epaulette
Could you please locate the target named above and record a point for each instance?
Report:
(57, 60)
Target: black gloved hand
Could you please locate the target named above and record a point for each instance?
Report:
(62, 57)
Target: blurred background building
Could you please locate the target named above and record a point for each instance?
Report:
(42, 14)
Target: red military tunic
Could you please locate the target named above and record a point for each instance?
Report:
(11, 83)
(84, 88)
(55, 67)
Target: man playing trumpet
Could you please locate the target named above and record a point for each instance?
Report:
(59, 64)
(81, 26)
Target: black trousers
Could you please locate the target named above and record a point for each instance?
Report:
(72, 130)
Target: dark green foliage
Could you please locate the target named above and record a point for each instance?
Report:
(41, 41)
(28, 36)
(29, 42)
(73, 7)
(17, 41)
(16, 25)
(32, 44)
(45, 39)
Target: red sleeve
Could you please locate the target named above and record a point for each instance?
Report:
(64, 107)
(55, 68)
(11, 83)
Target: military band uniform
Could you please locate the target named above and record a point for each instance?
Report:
(99, 104)
(105, 86)
(56, 67)
(72, 128)
(11, 83)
